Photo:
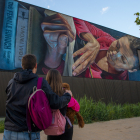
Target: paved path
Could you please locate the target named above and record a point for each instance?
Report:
(123, 129)
(1, 119)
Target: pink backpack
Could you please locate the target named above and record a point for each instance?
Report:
(57, 126)
(38, 108)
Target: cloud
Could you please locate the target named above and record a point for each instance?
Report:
(48, 6)
(104, 10)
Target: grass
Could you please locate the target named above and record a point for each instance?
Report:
(1, 126)
(98, 111)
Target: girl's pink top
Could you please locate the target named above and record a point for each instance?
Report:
(74, 105)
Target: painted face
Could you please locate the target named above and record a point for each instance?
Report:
(57, 40)
(120, 56)
(51, 38)
(62, 43)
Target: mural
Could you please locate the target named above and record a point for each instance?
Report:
(73, 46)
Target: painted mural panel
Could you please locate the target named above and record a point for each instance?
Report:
(72, 46)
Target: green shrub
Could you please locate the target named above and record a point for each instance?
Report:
(1, 126)
(86, 107)
(99, 111)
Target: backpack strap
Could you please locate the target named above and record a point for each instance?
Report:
(39, 82)
(68, 120)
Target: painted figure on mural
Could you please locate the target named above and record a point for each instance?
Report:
(101, 56)
(57, 37)
(115, 57)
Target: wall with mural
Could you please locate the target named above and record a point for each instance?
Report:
(72, 46)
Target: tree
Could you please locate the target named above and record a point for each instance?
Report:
(137, 21)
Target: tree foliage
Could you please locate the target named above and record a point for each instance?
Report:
(137, 21)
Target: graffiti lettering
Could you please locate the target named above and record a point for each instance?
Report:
(8, 56)
(7, 40)
(22, 35)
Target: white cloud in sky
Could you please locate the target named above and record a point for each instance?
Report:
(48, 6)
(104, 10)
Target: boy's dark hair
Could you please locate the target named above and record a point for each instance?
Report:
(134, 46)
(134, 43)
(29, 61)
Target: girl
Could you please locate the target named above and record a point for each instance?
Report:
(55, 81)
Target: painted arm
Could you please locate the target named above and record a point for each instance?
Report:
(97, 40)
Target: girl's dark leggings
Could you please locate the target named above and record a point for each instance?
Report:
(66, 136)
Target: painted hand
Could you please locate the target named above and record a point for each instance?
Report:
(54, 26)
(90, 51)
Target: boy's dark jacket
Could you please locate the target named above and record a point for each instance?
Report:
(18, 91)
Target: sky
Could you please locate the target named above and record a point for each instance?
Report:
(114, 14)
